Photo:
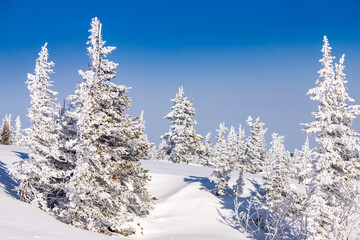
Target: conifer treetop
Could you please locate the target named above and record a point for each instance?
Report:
(100, 69)
(41, 79)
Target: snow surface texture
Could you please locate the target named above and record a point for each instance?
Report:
(186, 208)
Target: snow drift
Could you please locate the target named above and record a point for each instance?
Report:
(186, 207)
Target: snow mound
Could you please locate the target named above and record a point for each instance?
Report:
(186, 208)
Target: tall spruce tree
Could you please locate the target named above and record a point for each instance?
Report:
(238, 187)
(255, 147)
(276, 174)
(221, 160)
(206, 151)
(232, 142)
(160, 153)
(67, 135)
(18, 131)
(12, 130)
(40, 174)
(107, 187)
(304, 167)
(182, 141)
(240, 150)
(6, 135)
(333, 195)
(144, 138)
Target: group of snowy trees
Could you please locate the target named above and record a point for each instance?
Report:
(182, 144)
(10, 135)
(331, 170)
(232, 151)
(83, 165)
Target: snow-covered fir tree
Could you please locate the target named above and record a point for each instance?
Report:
(240, 150)
(206, 151)
(107, 187)
(296, 159)
(304, 166)
(238, 190)
(40, 175)
(276, 174)
(6, 133)
(12, 130)
(232, 143)
(2, 129)
(255, 147)
(146, 154)
(68, 136)
(18, 131)
(159, 152)
(238, 187)
(221, 160)
(182, 141)
(153, 153)
(333, 195)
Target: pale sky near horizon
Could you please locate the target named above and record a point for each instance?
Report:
(233, 58)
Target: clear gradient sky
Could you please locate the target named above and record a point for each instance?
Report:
(234, 58)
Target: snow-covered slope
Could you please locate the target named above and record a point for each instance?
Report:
(186, 207)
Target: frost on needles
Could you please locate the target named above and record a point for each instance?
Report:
(333, 195)
(182, 142)
(107, 186)
(255, 147)
(41, 175)
(7, 136)
(221, 155)
(83, 164)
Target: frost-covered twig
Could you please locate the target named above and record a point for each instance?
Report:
(248, 220)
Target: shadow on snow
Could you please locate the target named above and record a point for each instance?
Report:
(7, 180)
(227, 202)
(21, 155)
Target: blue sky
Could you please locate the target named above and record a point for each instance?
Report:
(234, 58)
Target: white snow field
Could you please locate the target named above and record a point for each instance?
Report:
(186, 208)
